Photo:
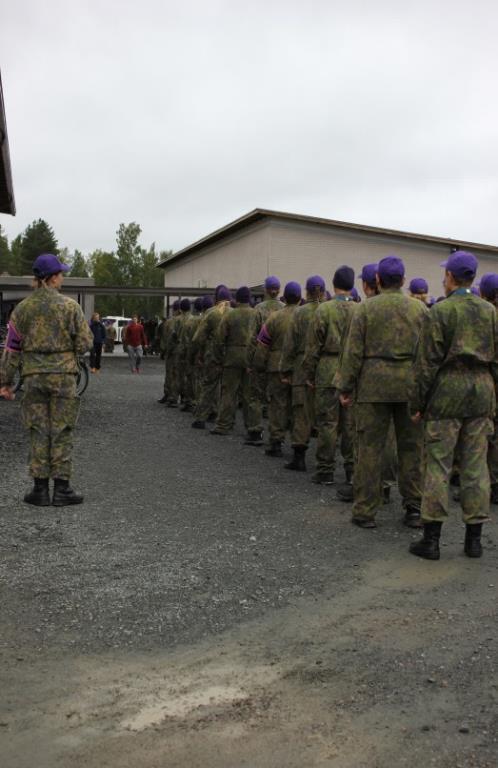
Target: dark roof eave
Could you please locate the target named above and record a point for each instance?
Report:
(7, 201)
(259, 214)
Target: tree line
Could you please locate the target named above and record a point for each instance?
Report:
(130, 264)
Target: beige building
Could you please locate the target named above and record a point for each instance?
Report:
(293, 247)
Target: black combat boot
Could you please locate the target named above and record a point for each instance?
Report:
(254, 438)
(323, 478)
(473, 546)
(198, 424)
(493, 497)
(298, 463)
(274, 449)
(412, 517)
(64, 494)
(428, 546)
(40, 495)
(345, 492)
(164, 399)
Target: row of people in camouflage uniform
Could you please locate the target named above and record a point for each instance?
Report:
(401, 390)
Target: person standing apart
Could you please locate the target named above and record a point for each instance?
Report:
(98, 330)
(455, 373)
(47, 332)
(135, 341)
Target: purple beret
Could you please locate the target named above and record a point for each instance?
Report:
(47, 264)
(418, 285)
(315, 281)
(207, 302)
(222, 293)
(292, 290)
(328, 295)
(198, 304)
(391, 266)
(355, 294)
(475, 290)
(185, 305)
(488, 285)
(272, 283)
(368, 273)
(462, 265)
(243, 295)
(176, 305)
(343, 278)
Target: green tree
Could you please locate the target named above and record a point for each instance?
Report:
(5, 254)
(79, 266)
(37, 238)
(15, 256)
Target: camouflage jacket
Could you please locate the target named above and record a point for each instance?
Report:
(203, 342)
(233, 337)
(379, 350)
(47, 331)
(456, 366)
(168, 340)
(270, 342)
(294, 347)
(261, 313)
(326, 338)
(187, 329)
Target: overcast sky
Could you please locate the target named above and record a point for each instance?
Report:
(185, 115)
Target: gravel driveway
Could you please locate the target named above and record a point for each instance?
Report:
(205, 607)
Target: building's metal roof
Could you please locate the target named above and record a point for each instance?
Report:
(260, 214)
(7, 202)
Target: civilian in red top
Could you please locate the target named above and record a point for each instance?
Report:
(135, 342)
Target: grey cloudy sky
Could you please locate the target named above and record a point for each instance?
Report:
(184, 115)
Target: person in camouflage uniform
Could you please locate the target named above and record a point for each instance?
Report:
(368, 277)
(203, 344)
(488, 289)
(376, 365)
(419, 289)
(291, 368)
(266, 359)
(232, 339)
(47, 332)
(184, 373)
(167, 344)
(456, 371)
(259, 380)
(326, 337)
(187, 361)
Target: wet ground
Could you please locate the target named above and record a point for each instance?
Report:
(205, 607)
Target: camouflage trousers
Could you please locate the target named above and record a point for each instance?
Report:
(209, 392)
(442, 438)
(50, 409)
(186, 372)
(279, 408)
(171, 383)
(333, 421)
(303, 415)
(493, 454)
(235, 383)
(389, 454)
(372, 429)
(259, 398)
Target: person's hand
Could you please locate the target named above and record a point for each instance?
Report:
(346, 400)
(416, 418)
(285, 380)
(249, 370)
(7, 393)
(310, 384)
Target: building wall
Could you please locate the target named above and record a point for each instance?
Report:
(299, 250)
(296, 250)
(240, 259)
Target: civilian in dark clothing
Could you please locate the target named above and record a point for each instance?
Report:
(97, 327)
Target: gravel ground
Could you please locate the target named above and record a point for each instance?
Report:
(204, 607)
